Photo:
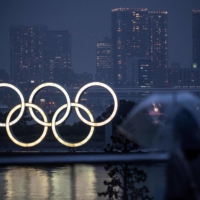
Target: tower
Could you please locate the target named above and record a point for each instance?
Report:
(196, 38)
(158, 32)
(58, 52)
(130, 38)
(104, 61)
(27, 51)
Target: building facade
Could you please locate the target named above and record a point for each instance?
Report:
(104, 72)
(58, 52)
(27, 53)
(130, 38)
(196, 37)
(4, 77)
(158, 32)
(139, 72)
(139, 33)
(184, 77)
(82, 79)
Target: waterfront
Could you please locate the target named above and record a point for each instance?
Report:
(71, 182)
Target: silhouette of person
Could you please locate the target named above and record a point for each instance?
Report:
(183, 171)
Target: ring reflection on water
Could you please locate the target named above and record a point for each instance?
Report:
(72, 182)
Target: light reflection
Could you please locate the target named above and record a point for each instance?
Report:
(74, 182)
(156, 110)
(38, 186)
(25, 182)
(67, 182)
(12, 185)
(85, 180)
(61, 181)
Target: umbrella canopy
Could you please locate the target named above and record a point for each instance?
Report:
(154, 123)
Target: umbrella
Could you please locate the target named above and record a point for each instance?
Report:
(152, 123)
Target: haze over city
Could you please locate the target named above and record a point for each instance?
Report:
(90, 21)
(139, 61)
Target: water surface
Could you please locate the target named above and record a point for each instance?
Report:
(71, 182)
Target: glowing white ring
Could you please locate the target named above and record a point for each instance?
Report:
(58, 137)
(115, 103)
(22, 103)
(67, 98)
(10, 134)
(54, 123)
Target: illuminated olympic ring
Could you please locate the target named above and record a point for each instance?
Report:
(59, 138)
(113, 95)
(22, 103)
(13, 137)
(54, 123)
(66, 96)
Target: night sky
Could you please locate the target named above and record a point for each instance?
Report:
(90, 21)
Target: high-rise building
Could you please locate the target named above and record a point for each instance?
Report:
(175, 65)
(27, 51)
(4, 77)
(158, 32)
(196, 37)
(184, 77)
(139, 33)
(64, 76)
(58, 52)
(130, 38)
(174, 77)
(104, 61)
(139, 72)
(83, 78)
(145, 72)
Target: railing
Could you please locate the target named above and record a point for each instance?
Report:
(72, 158)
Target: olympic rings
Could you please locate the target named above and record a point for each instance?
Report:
(113, 95)
(66, 96)
(13, 138)
(58, 137)
(53, 124)
(22, 103)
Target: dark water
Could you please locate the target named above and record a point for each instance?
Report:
(73, 182)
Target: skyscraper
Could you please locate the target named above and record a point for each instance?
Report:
(139, 33)
(130, 38)
(58, 52)
(104, 61)
(196, 38)
(4, 77)
(27, 50)
(158, 32)
(139, 72)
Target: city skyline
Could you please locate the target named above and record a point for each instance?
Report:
(104, 71)
(58, 52)
(138, 33)
(86, 31)
(38, 55)
(130, 38)
(27, 53)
